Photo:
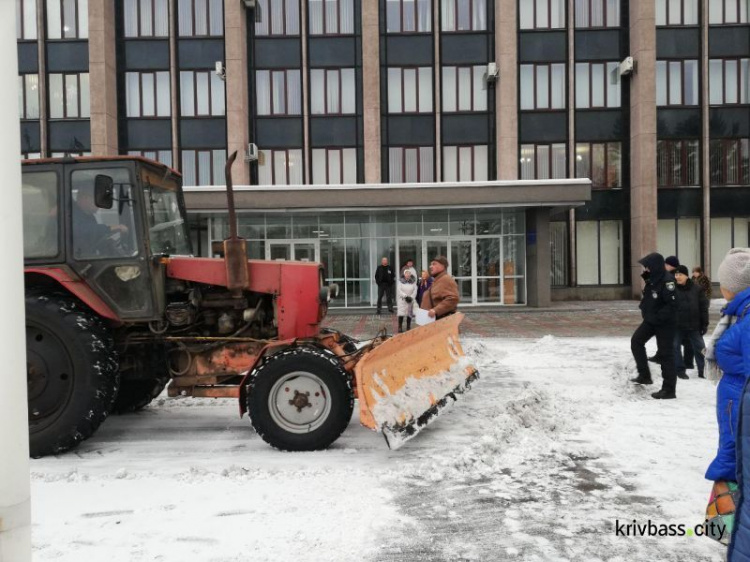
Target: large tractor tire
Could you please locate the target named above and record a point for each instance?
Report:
(136, 394)
(72, 372)
(300, 399)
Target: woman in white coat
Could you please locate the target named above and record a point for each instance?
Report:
(407, 298)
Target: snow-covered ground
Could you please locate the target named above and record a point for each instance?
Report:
(537, 462)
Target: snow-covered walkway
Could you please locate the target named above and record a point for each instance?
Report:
(537, 462)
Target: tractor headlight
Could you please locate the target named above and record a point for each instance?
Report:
(127, 272)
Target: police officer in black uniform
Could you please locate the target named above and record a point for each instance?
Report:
(659, 311)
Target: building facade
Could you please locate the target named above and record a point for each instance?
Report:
(364, 93)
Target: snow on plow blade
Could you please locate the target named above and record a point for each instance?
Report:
(404, 383)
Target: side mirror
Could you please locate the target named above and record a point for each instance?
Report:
(104, 191)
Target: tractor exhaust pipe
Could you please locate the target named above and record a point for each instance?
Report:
(235, 248)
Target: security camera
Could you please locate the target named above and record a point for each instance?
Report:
(220, 72)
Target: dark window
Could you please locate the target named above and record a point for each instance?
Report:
(280, 167)
(69, 96)
(677, 82)
(729, 81)
(728, 11)
(28, 96)
(677, 163)
(597, 13)
(410, 90)
(201, 94)
(333, 91)
(465, 163)
(67, 19)
(278, 92)
(601, 162)
(411, 164)
(200, 18)
(678, 12)
(463, 15)
(203, 167)
(147, 94)
(163, 156)
(408, 16)
(334, 165)
(331, 17)
(278, 17)
(543, 161)
(597, 85)
(541, 14)
(730, 162)
(543, 86)
(464, 88)
(146, 18)
(26, 19)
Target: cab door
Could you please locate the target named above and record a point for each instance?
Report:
(105, 245)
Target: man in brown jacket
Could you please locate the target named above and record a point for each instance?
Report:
(441, 299)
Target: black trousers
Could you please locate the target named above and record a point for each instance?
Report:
(385, 289)
(665, 352)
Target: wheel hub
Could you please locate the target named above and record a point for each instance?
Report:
(299, 403)
(49, 371)
(300, 400)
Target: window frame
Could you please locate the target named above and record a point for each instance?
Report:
(684, 163)
(325, 72)
(339, 19)
(605, 87)
(65, 75)
(77, 19)
(139, 34)
(743, 172)
(271, 72)
(682, 15)
(155, 94)
(472, 68)
(563, 5)
(209, 21)
(683, 78)
(416, 30)
(724, 89)
(25, 94)
(605, 13)
(211, 82)
(607, 165)
(550, 159)
(403, 150)
(264, 4)
(417, 70)
(472, 9)
(328, 150)
(473, 148)
(273, 152)
(196, 170)
(739, 13)
(141, 152)
(621, 254)
(549, 66)
(21, 21)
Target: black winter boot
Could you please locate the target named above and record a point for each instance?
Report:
(655, 359)
(664, 395)
(640, 379)
(408, 323)
(400, 324)
(682, 376)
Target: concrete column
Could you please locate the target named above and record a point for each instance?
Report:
(643, 200)
(538, 258)
(103, 78)
(371, 90)
(236, 64)
(506, 89)
(705, 145)
(15, 503)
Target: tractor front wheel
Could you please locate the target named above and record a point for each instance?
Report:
(72, 372)
(300, 399)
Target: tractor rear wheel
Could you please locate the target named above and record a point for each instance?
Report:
(72, 372)
(300, 399)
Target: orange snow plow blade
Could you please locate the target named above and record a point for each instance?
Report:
(405, 382)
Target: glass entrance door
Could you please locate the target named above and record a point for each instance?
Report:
(299, 250)
(462, 267)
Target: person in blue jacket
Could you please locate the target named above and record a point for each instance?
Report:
(728, 357)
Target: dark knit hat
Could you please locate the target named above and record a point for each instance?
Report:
(673, 261)
(441, 260)
(682, 269)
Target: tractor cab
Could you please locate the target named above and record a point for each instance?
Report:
(108, 221)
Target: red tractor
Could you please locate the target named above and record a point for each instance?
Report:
(117, 308)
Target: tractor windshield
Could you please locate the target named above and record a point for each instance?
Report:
(167, 228)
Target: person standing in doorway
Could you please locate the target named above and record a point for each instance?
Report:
(441, 299)
(384, 278)
(659, 311)
(409, 264)
(406, 299)
(692, 320)
(702, 280)
(425, 282)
